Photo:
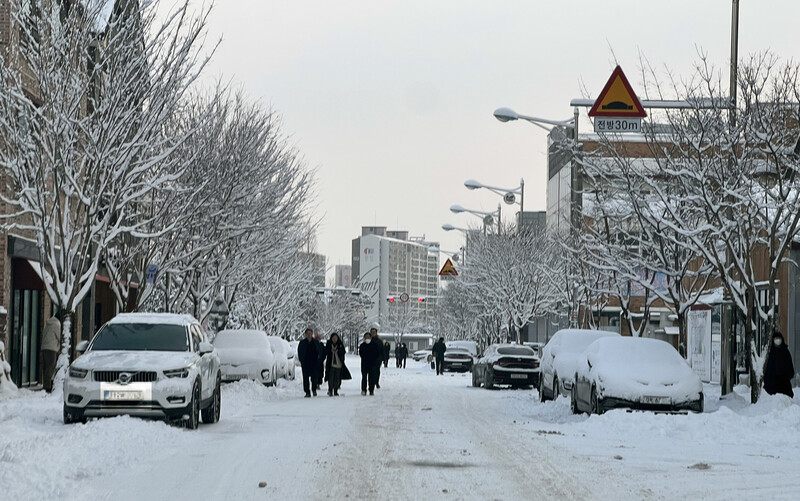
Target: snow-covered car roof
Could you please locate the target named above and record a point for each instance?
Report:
(241, 338)
(279, 344)
(153, 318)
(470, 346)
(639, 357)
(576, 340)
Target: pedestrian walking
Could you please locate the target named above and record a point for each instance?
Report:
(438, 353)
(335, 369)
(387, 351)
(378, 342)
(51, 345)
(403, 355)
(310, 352)
(779, 371)
(397, 352)
(370, 354)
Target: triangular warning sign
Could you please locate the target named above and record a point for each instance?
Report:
(617, 99)
(448, 270)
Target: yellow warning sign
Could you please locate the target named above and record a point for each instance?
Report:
(617, 99)
(448, 270)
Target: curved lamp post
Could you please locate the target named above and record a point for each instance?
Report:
(508, 115)
(509, 195)
(485, 216)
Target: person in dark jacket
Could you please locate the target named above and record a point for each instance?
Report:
(397, 352)
(438, 353)
(335, 369)
(387, 351)
(370, 353)
(779, 371)
(377, 341)
(403, 355)
(310, 352)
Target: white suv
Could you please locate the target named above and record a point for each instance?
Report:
(154, 365)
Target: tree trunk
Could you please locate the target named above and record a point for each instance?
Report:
(66, 347)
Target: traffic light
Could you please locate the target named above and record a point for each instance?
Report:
(390, 299)
(421, 299)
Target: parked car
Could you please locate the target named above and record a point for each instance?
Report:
(421, 355)
(284, 355)
(634, 373)
(457, 360)
(560, 358)
(246, 354)
(153, 365)
(507, 364)
(470, 346)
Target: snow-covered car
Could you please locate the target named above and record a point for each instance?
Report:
(560, 358)
(246, 354)
(153, 365)
(507, 364)
(284, 355)
(421, 355)
(470, 346)
(634, 373)
(457, 360)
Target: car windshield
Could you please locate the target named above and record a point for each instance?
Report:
(516, 350)
(141, 337)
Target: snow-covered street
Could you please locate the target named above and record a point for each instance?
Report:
(421, 436)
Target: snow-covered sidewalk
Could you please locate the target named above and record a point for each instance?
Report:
(420, 436)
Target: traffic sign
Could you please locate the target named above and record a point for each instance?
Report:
(448, 270)
(617, 99)
(404, 297)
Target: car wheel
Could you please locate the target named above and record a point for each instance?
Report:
(194, 409)
(69, 419)
(488, 380)
(597, 406)
(475, 382)
(573, 401)
(556, 388)
(542, 397)
(211, 413)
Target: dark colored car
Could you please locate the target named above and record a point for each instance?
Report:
(457, 360)
(507, 364)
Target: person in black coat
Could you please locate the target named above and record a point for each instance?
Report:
(438, 353)
(403, 355)
(779, 371)
(376, 340)
(371, 355)
(335, 369)
(387, 351)
(310, 352)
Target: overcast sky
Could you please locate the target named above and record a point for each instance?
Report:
(391, 101)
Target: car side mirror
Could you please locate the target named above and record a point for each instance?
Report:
(82, 346)
(205, 348)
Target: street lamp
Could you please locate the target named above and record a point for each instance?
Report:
(485, 216)
(509, 195)
(508, 115)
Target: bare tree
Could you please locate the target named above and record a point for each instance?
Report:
(89, 144)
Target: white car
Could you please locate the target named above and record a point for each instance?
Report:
(284, 356)
(154, 365)
(560, 357)
(634, 373)
(421, 355)
(246, 354)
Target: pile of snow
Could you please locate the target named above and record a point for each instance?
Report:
(7, 387)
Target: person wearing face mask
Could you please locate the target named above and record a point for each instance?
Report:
(779, 371)
(370, 354)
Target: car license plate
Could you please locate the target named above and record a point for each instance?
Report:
(519, 376)
(656, 400)
(236, 376)
(122, 395)
(456, 363)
